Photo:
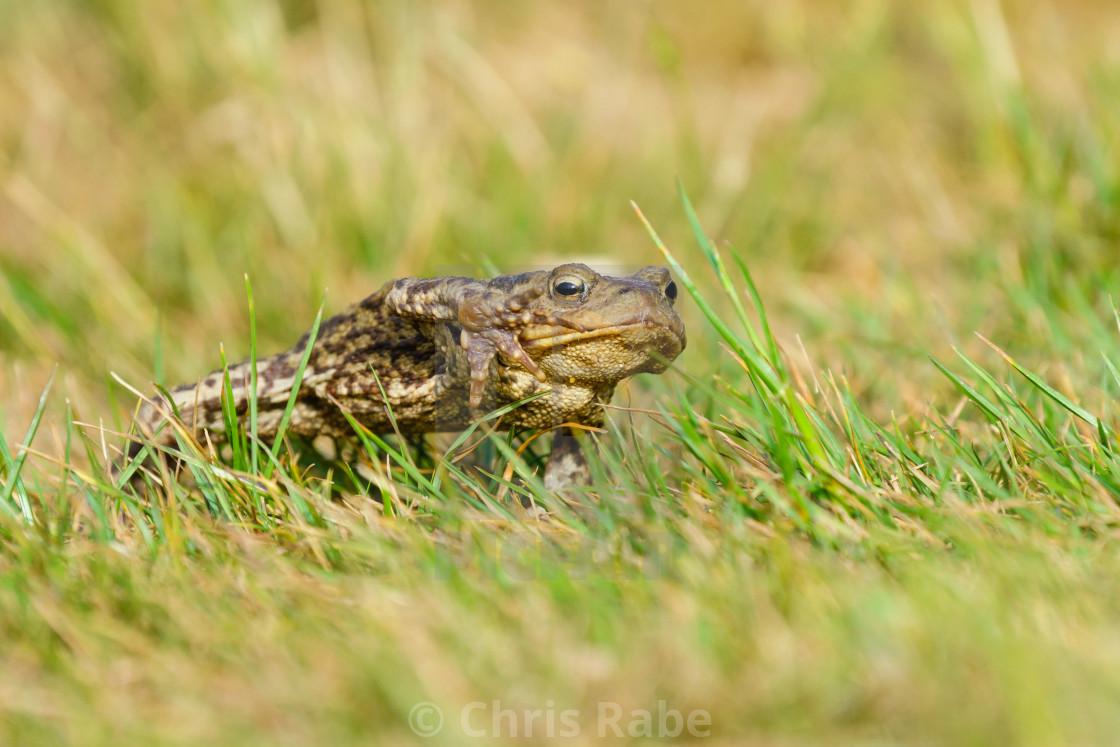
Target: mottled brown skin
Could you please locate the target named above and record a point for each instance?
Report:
(448, 350)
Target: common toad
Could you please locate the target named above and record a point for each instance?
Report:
(448, 350)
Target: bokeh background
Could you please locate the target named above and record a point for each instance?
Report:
(896, 174)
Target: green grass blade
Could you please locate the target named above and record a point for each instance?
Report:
(763, 368)
(469, 431)
(716, 260)
(1048, 390)
(252, 393)
(297, 382)
(12, 485)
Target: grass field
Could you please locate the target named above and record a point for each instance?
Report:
(873, 502)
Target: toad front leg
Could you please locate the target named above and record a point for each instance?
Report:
(490, 319)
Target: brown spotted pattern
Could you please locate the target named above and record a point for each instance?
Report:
(441, 352)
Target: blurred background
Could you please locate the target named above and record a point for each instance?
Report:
(897, 175)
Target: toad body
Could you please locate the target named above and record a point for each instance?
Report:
(443, 352)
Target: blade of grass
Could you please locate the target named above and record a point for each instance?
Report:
(297, 382)
(763, 367)
(716, 260)
(253, 440)
(1048, 390)
(12, 485)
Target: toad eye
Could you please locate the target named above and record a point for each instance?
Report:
(671, 291)
(568, 288)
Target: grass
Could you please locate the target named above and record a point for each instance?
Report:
(874, 501)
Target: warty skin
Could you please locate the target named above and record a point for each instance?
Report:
(446, 351)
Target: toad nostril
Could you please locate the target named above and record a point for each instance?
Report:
(623, 291)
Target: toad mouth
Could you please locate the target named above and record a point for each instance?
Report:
(542, 338)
